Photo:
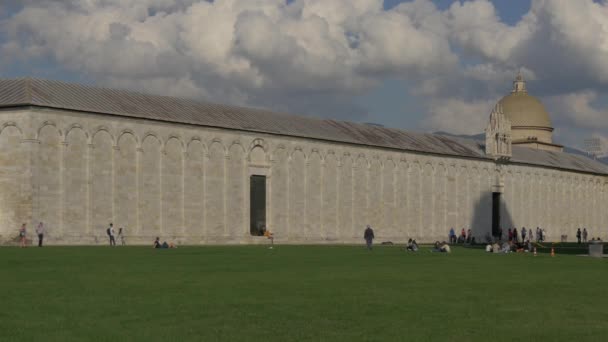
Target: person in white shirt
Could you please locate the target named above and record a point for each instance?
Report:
(40, 233)
(111, 235)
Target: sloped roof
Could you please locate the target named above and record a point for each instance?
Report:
(60, 95)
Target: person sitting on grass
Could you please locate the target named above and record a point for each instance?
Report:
(415, 246)
(441, 247)
(268, 234)
(157, 244)
(412, 245)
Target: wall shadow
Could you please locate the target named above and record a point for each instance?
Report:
(481, 223)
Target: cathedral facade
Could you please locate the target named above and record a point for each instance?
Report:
(78, 158)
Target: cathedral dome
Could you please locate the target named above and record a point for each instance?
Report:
(522, 109)
(525, 111)
(529, 120)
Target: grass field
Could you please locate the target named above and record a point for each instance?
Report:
(298, 293)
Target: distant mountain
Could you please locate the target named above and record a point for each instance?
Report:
(482, 137)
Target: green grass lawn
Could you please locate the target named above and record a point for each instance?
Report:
(298, 293)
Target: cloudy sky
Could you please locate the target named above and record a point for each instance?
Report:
(415, 64)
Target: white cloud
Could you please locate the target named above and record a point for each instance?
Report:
(578, 115)
(316, 56)
(577, 108)
(477, 29)
(259, 52)
(457, 116)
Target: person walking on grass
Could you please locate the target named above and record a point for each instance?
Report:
(369, 237)
(22, 235)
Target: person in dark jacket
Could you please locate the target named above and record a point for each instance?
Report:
(369, 236)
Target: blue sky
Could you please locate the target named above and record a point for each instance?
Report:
(419, 65)
(510, 11)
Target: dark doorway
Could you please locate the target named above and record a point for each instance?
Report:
(495, 214)
(257, 203)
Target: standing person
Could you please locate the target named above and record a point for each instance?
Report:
(110, 232)
(500, 233)
(121, 236)
(539, 235)
(543, 233)
(22, 234)
(463, 235)
(585, 235)
(452, 236)
(510, 233)
(578, 235)
(530, 235)
(40, 233)
(515, 236)
(368, 236)
(523, 234)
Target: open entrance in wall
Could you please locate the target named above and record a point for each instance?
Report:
(257, 203)
(495, 213)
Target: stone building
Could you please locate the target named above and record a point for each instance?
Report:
(77, 157)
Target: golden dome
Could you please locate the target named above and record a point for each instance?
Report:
(522, 109)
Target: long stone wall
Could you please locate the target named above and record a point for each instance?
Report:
(76, 172)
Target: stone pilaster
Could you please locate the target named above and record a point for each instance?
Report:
(29, 192)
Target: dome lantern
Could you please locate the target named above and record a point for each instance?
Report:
(519, 85)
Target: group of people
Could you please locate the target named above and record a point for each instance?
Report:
(112, 235)
(158, 244)
(466, 236)
(441, 247)
(412, 245)
(526, 234)
(40, 231)
(508, 247)
(581, 235)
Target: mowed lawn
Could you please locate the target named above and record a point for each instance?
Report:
(298, 293)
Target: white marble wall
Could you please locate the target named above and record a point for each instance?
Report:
(77, 172)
